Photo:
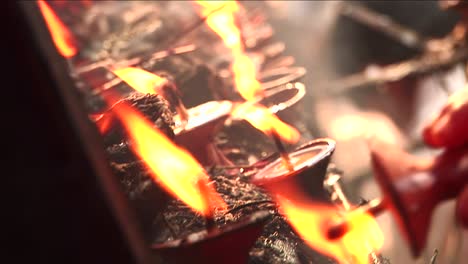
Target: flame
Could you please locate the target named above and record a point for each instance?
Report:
(61, 36)
(220, 17)
(311, 221)
(174, 168)
(103, 122)
(140, 80)
(261, 118)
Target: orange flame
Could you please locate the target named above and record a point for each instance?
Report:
(174, 168)
(311, 220)
(221, 19)
(140, 80)
(62, 37)
(103, 122)
(261, 118)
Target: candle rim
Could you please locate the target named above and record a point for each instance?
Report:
(204, 235)
(326, 145)
(223, 107)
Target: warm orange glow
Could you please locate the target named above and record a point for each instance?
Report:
(173, 168)
(221, 19)
(261, 118)
(62, 37)
(103, 122)
(311, 220)
(140, 80)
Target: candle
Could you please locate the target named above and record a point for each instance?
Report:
(309, 164)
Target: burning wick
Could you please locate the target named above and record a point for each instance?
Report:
(282, 151)
(338, 230)
(169, 91)
(172, 167)
(209, 217)
(262, 119)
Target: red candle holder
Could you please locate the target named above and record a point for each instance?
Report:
(230, 244)
(414, 186)
(197, 134)
(310, 162)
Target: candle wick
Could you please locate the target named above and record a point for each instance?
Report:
(210, 223)
(282, 151)
(170, 92)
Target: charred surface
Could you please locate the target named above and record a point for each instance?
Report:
(145, 195)
(113, 35)
(153, 107)
(277, 244)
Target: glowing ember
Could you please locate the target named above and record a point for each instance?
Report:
(261, 118)
(221, 19)
(62, 37)
(312, 220)
(103, 122)
(174, 168)
(140, 80)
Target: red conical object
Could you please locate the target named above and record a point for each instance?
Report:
(414, 186)
(461, 210)
(310, 162)
(449, 129)
(197, 136)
